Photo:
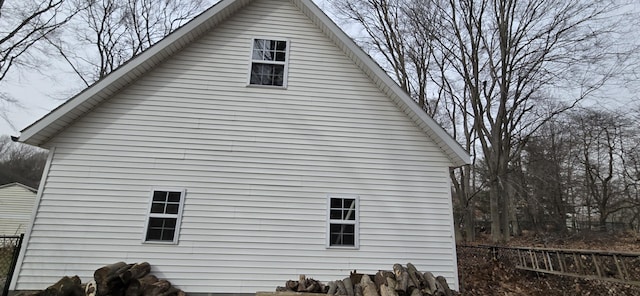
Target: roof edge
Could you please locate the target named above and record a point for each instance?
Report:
(458, 155)
(27, 134)
(33, 190)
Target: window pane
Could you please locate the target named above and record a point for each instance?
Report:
(161, 229)
(267, 74)
(278, 80)
(335, 215)
(349, 203)
(172, 208)
(343, 228)
(349, 229)
(342, 235)
(267, 55)
(259, 44)
(264, 50)
(335, 228)
(157, 208)
(154, 234)
(336, 240)
(155, 223)
(343, 209)
(174, 196)
(170, 223)
(255, 55)
(159, 196)
(167, 234)
(348, 240)
(349, 214)
(269, 50)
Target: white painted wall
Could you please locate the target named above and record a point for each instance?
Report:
(16, 204)
(257, 164)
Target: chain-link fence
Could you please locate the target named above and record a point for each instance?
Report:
(9, 250)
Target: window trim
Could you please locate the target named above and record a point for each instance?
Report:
(355, 222)
(285, 77)
(176, 235)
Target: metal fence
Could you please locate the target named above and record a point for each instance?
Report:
(9, 250)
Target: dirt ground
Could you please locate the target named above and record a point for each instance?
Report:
(480, 275)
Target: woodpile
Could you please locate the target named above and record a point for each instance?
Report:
(401, 281)
(117, 279)
(307, 285)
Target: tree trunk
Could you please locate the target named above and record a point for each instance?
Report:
(368, 287)
(135, 272)
(66, 286)
(348, 285)
(138, 286)
(431, 282)
(102, 273)
(496, 233)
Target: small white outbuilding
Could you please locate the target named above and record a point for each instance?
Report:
(16, 205)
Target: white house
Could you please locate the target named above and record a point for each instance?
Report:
(256, 143)
(16, 204)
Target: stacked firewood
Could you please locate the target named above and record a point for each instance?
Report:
(307, 285)
(399, 282)
(118, 279)
(121, 279)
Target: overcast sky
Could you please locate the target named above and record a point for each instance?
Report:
(41, 91)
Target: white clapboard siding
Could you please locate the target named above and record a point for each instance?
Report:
(16, 204)
(257, 164)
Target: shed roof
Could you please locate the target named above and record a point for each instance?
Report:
(19, 185)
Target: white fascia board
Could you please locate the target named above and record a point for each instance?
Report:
(452, 149)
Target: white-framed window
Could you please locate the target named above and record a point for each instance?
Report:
(164, 215)
(269, 62)
(343, 221)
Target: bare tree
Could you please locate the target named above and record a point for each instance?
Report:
(24, 24)
(631, 167)
(391, 26)
(113, 31)
(20, 163)
(491, 63)
(547, 176)
(607, 155)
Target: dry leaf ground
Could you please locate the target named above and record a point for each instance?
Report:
(481, 275)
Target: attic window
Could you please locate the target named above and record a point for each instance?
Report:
(165, 211)
(269, 62)
(342, 228)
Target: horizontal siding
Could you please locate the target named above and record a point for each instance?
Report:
(257, 164)
(16, 204)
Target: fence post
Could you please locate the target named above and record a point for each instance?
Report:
(494, 253)
(14, 261)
